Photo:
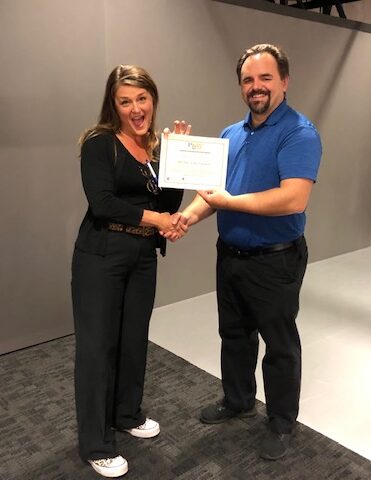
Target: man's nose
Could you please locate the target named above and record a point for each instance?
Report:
(256, 84)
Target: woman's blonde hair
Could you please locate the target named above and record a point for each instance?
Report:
(109, 121)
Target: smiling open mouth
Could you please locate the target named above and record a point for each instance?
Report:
(138, 121)
(257, 95)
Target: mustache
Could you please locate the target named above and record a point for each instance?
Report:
(259, 91)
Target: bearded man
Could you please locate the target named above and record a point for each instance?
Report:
(274, 156)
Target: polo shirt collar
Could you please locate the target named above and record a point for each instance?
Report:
(273, 118)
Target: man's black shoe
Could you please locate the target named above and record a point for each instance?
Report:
(274, 445)
(219, 413)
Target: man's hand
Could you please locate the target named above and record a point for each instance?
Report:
(180, 227)
(216, 198)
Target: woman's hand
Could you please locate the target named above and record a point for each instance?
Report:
(164, 223)
(180, 128)
(169, 226)
(173, 227)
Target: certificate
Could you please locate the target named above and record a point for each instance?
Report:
(193, 163)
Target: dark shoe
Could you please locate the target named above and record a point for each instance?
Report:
(274, 445)
(219, 413)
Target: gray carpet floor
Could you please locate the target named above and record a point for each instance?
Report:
(38, 429)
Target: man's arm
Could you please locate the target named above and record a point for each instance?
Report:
(298, 160)
(292, 196)
(197, 210)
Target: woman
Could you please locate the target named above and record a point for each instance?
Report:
(114, 266)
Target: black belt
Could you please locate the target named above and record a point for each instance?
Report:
(277, 247)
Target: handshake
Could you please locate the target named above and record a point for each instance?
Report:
(173, 227)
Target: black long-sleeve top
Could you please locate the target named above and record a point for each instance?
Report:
(116, 190)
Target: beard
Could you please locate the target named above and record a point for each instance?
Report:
(258, 106)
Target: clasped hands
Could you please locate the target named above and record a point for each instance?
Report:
(177, 224)
(173, 227)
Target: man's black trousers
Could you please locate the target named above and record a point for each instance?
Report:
(260, 294)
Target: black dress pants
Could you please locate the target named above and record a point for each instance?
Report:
(260, 294)
(113, 298)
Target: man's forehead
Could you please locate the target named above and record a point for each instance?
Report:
(260, 60)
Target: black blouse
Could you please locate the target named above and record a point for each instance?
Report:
(117, 190)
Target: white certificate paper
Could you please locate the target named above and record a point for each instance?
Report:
(193, 163)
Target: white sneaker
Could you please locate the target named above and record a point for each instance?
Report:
(110, 467)
(148, 429)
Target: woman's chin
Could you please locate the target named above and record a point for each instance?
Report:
(142, 130)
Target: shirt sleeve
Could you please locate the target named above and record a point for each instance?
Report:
(98, 178)
(300, 153)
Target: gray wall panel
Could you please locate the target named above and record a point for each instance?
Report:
(55, 59)
(53, 63)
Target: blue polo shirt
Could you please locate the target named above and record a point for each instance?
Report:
(286, 145)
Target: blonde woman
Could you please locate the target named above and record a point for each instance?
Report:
(114, 266)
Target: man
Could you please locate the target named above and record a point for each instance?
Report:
(274, 155)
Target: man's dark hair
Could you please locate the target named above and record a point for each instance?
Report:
(276, 52)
